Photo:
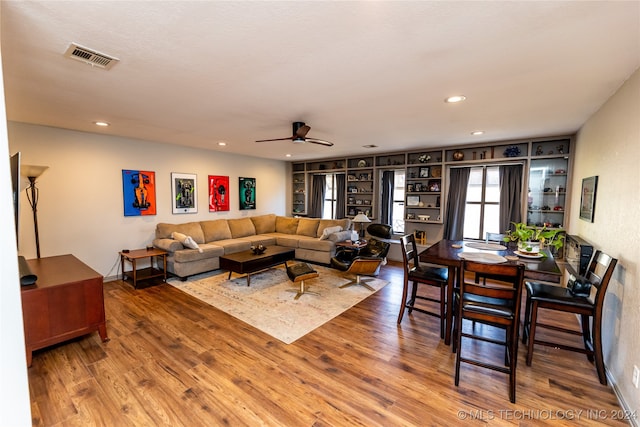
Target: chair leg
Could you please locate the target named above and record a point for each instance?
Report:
(597, 350)
(302, 290)
(414, 292)
(442, 310)
(526, 324)
(358, 281)
(457, 344)
(586, 336)
(532, 331)
(403, 303)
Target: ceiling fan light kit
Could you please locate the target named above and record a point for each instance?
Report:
(299, 136)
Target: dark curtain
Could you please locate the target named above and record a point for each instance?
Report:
(316, 201)
(510, 195)
(386, 201)
(456, 202)
(341, 194)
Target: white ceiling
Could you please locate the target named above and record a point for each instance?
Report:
(374, 72)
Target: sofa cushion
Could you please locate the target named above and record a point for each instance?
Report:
(217, 229)
(316, 245)
(189, 255)
(264, 223)
(307, 227)
(286, 225)
(231, 246)
(324, 223)
(193, 229)
(241, 227)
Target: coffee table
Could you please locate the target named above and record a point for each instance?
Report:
(246, 262)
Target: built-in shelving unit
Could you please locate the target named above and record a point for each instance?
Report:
(547, 172)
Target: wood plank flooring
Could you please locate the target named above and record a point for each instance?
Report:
(175, 361)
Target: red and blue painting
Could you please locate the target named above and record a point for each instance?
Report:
(139, 192)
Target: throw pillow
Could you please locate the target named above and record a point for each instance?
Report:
(187, 241)
(328, 231)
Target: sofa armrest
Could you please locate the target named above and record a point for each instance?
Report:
(169, 245)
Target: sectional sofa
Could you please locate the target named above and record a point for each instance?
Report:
(196, 247)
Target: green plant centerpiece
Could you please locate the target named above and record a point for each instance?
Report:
(531, 239)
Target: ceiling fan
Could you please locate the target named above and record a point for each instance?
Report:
(300, 131)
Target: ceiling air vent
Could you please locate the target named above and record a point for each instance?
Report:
(90, 56)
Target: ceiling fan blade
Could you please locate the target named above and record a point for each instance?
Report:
(277, 139)
(319, 141)
(302, 131)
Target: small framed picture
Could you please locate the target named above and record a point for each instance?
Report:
(409, 188)
(588, 198)
(413, 200)
(424, 172)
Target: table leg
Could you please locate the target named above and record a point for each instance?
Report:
(122, 266)
(248, 279)
(164, 266)
(451, 281)
(134, 272)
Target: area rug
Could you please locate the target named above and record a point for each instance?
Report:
(268, 306)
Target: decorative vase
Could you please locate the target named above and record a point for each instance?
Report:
(458, 155)
(529, 247)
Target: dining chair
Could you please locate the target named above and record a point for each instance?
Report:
(496, 304)
(417, 274)
(583, 296)
(493, 238)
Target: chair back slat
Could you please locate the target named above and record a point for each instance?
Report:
(508, 287)
(599, 274)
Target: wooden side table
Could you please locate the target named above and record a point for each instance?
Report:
(144, 274)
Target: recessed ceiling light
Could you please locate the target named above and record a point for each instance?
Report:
(287, 155)
(101, 123)
(455, 98)
(370, 146)
(222, 143)
(477, 132)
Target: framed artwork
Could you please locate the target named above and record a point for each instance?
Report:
(184, 193)
(218, 193)
(588, 198)
(413, 200)
(139, 192)
(424, 172)
(247, 193)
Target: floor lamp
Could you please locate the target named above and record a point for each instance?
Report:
(32, 173)
(361, 219)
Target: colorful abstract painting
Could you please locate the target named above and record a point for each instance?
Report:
(139, 192)
(218, 193)
(247, 193)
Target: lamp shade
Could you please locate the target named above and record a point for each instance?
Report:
(361, 218)
(31, 171)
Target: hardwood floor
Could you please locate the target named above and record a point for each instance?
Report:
(173, 360)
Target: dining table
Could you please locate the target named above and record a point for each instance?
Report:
(451, 253)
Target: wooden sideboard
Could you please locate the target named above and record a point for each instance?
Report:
(66, 302)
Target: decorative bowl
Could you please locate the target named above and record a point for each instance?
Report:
(424, 217)
(258, 250)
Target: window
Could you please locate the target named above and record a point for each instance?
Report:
(396, 200)
(330, 197)
(482, 213)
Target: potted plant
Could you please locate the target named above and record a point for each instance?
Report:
(531, 239)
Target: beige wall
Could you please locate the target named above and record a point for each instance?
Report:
(608, 145)
(80, 209)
